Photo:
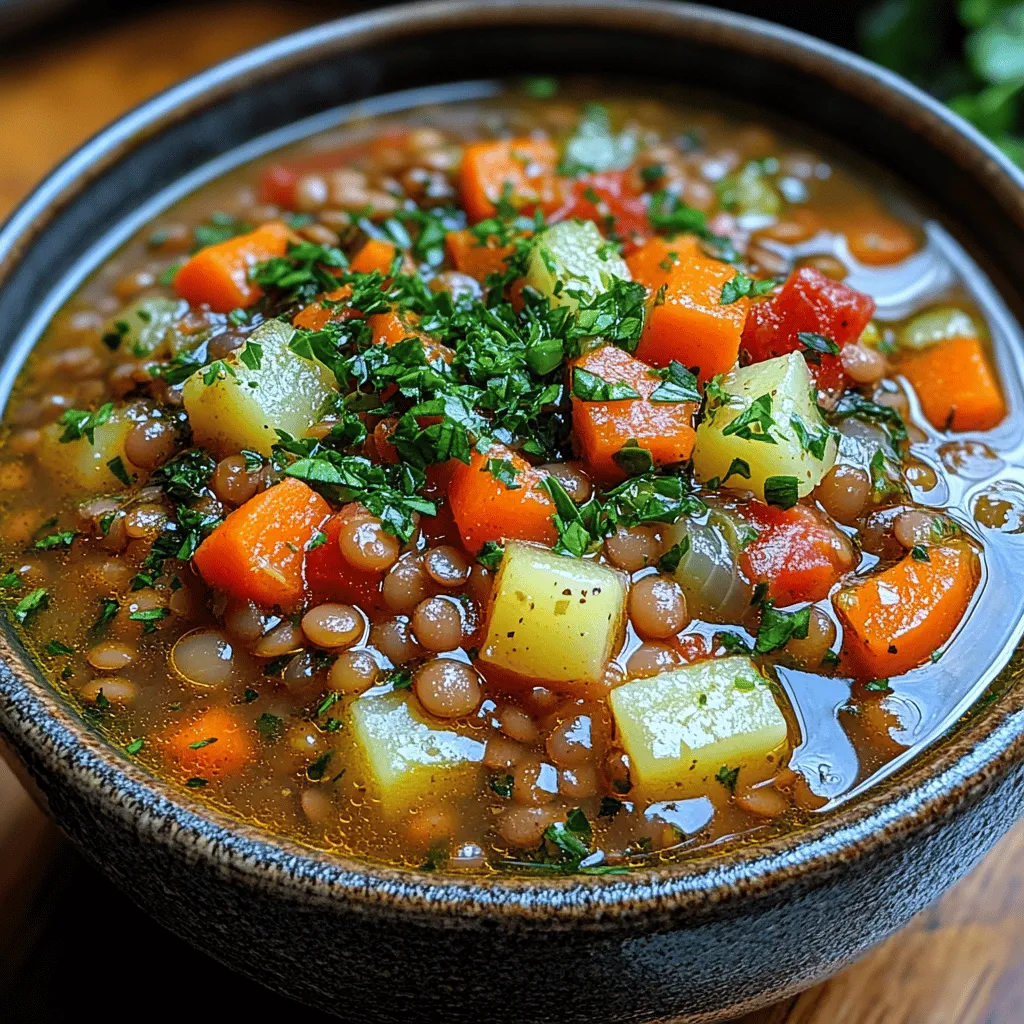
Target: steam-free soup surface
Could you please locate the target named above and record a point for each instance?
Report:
(544, 482)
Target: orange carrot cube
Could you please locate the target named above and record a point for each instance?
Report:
(686, 320)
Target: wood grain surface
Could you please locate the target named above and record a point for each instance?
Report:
(961, 962)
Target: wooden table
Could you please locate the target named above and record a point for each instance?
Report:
(958, 963)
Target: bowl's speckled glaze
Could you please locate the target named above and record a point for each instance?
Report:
(698, 942)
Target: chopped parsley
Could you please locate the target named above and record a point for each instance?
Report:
(728, 777)
(31, 604)
(78, 423)
(591, 388)
(778, 628)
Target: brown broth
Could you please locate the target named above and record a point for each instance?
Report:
(845, 736)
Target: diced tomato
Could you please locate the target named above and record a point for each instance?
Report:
(610, 201)
(331, 578)
(809, 301)
(277, 185)
(797, 553)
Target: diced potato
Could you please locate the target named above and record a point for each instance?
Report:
(784, 393)
(935, 325)
(573, 258)
(81, 465)
(144, 326)
(243, 407)
(682, 728)
(553, 617)
(406, 757)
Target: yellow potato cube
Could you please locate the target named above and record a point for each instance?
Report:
(553, 617)
(83, 464)
(781, 435)
(408, 758)
(570, 259)
(260, 389)
(684, 728)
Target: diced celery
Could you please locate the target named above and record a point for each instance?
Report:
(935, 325)
(749, 192)
(689, 729)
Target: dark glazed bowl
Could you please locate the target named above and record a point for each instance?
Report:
(696, 942)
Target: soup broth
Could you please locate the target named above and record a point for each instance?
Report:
(540, 482)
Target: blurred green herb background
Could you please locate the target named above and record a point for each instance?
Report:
(969, 53)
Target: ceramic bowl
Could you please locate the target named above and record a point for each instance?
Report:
(696, 942)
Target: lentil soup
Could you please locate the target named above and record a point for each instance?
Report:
(540, 482)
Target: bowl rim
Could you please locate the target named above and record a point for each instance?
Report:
(954, 774)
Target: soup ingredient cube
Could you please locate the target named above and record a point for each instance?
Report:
(749, 192)
(798, 555)
(214, 743)
(218, 276)
(520, 172)
(765, 416)
(376, 254)
(474, 259)
(610, 199)
(498, 497)
(317, 315)
(331, 577)
(242, 400)
(955, 385)
(82, 464)
(683, 728)
(572, 262)
(554, 618)
(937, 324)
(896, 619)
(686, 320)
(602, 428)
(146, 327)
(407, 756)
(258, 552)
(809, 303)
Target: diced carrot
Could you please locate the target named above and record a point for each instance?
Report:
(797, 553)
(687, 321)
(218, 276)
(258, 552)
(315, 316)
(470, 257)
(523, 170)
(486, 509)
(212, 744)
(374, 255)
(955, 385)
(332, 578)
(391, 328)
(898, 618)
(601, 429)
(875, 238)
